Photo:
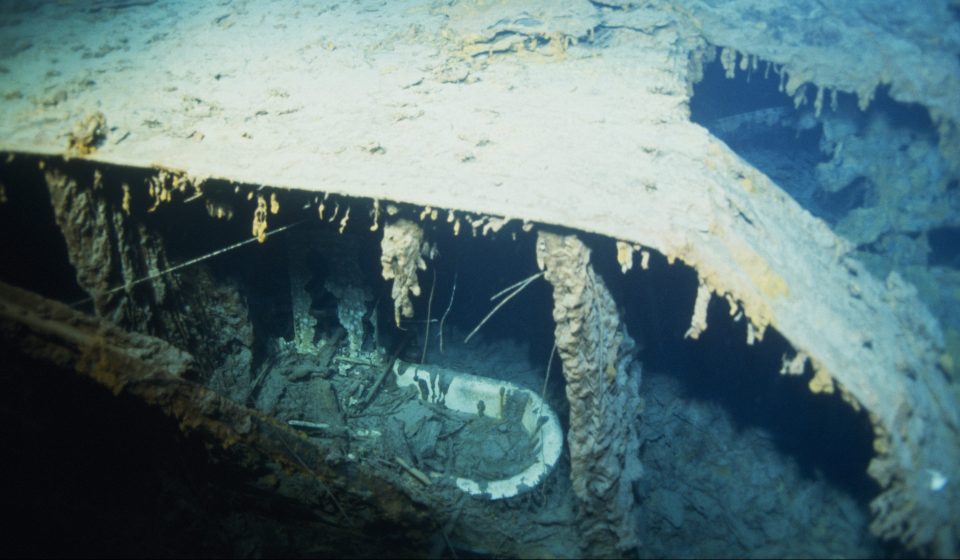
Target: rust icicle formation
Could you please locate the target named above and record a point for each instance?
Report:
(403, 250)
(603, 384)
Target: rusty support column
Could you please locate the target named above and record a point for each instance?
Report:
(602, 387)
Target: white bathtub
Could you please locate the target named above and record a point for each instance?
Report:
(463, 392)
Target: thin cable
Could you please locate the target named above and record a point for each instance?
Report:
(426, 335)
(447, 312)
(182, 265)
(521, 285)
(512, 286)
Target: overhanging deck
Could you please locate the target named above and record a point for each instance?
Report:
(572, 116)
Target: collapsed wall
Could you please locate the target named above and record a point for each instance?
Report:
(123, 265)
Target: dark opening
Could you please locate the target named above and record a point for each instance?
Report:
(33, 253)
(821, 432)
(762, 124)
(944, 247)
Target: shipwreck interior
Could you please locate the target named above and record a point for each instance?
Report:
(711, 407)
(469, 279)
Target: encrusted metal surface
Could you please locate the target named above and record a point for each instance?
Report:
(571, 114)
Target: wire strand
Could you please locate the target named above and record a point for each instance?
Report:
(177, 267)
